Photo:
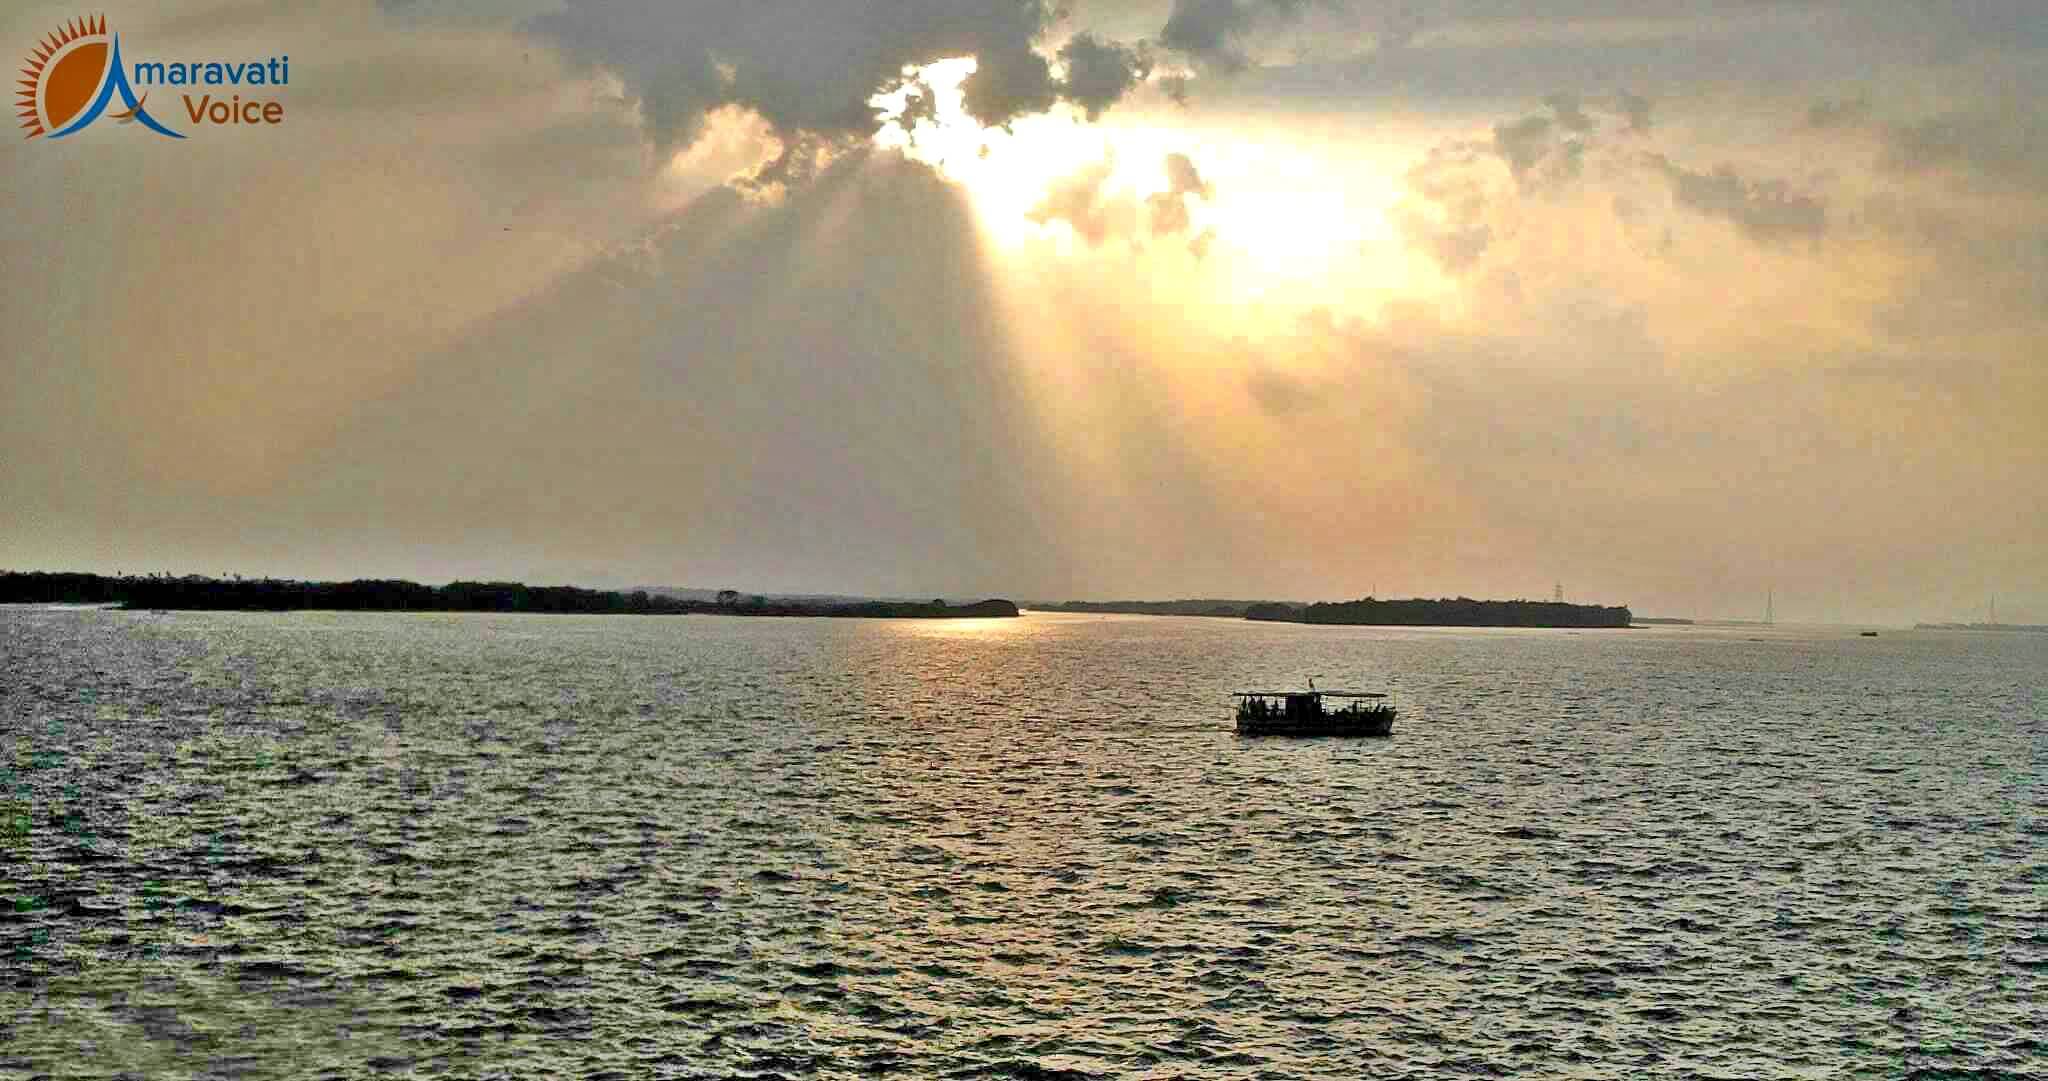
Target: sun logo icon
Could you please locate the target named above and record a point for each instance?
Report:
(71, 78)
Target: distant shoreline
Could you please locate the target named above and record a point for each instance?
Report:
(1371, 612)
(1220, 609)
(199, 593)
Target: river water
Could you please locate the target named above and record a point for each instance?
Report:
(356, 845)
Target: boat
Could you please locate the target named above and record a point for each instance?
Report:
(1302, 713)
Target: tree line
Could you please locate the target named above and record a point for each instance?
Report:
(1445, 612)
(198, 592)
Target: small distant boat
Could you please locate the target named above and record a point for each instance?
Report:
(1301, 713)
(1868, 634)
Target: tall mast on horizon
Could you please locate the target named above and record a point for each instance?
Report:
(1770, 595)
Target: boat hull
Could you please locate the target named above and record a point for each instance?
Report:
(1370, 723)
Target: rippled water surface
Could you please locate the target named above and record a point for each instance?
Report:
(498, 846)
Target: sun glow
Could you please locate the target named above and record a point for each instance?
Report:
(1274, 220)
(1006, 170)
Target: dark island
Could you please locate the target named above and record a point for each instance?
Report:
(1445, 612)
(195, 592)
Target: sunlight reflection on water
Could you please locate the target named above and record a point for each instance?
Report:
(701, 846)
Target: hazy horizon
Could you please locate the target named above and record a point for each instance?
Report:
(1154, 299)
(1720, 616)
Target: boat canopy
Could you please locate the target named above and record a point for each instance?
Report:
(1324, 694)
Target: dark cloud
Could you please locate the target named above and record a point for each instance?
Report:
(1768, 210)
(920, 105)
(1209, 30)
(1007, 83)
(811, 68)
(1555, 143)
(1203, 28)
(1524, 142)
(1100, 73)
(1544, 151)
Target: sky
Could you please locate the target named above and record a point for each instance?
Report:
(1670, 304)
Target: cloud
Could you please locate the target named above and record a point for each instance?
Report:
(1838, 112)
(1100, 73)
(1768, 210)
(1204, 28)
(1210, 29)
(1524, 143)
(2006, 141)
(1480, 52)
(1961, 195)
(1547, 151)
(1169, 214)
(1448, 204)
(1080, 201)
(1570, 116)
(1456, 247)
(1281, 394)
(1454, 208)
(1011, 81)
(1169, 208)
(811, 68)
(1637, 109)
(1183, 179)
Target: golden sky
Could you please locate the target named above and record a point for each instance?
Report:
(1671, 303)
